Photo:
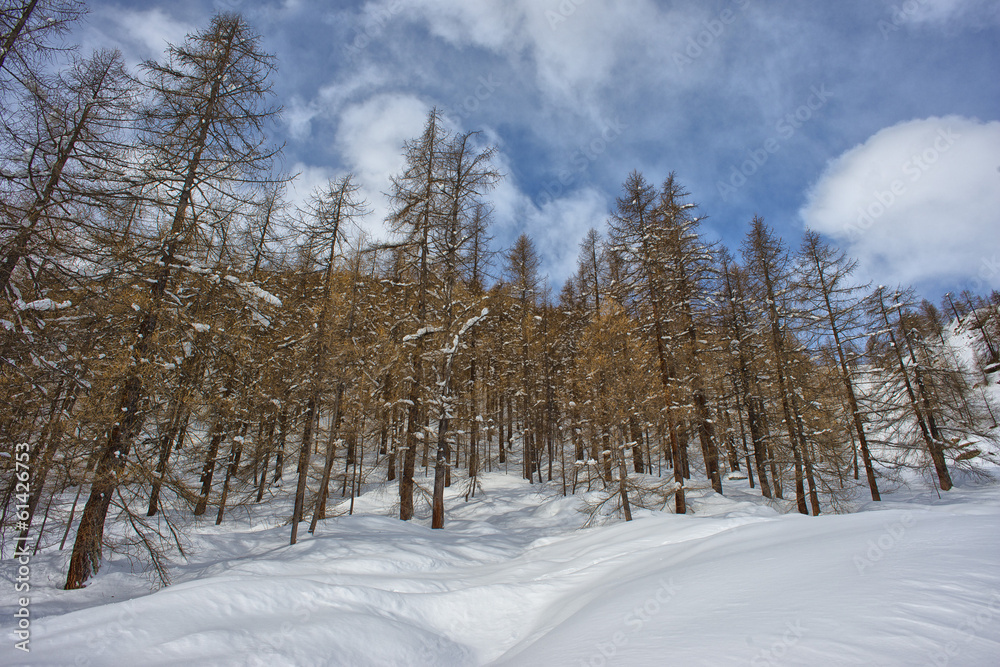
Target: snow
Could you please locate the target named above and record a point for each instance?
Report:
(423, 331)
(244, 289)
(514, 580)
(42, 305)
(256, 291)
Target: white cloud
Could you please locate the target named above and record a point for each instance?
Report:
(370, 138)
(510, 203)
(331, 99)
(140, 34)
(574, 46)
(298, 117)
(917, 203)
(308, 179)
(558, 227)
(493, 25)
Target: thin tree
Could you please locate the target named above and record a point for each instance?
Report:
(769, 264)
(633, 239)
(204, 126)
(689, 263)
(824, 288)
(522, 271)
(330, 212)
(470, 174)
(417, 210)
(921, 406)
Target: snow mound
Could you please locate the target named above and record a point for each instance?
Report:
(514, 580)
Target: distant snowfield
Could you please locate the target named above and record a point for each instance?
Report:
(514, 580)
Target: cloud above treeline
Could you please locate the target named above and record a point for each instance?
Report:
(917, 203)
(577, 93)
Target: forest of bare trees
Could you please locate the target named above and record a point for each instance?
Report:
(179, 340)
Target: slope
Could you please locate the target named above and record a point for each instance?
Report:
(514, 580)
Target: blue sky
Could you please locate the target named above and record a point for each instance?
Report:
(875, 122)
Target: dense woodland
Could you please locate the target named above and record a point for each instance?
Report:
(177, 339)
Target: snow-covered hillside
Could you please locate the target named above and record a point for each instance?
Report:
(525, 576)
(515, 580)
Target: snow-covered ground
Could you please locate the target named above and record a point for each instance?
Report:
(515, 580)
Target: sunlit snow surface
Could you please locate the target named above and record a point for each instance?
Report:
(514, 580)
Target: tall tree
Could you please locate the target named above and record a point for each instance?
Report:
(769, 266)
(203, 133)
(478, 258)
(417, 212)
(522, 275)
(468, 175)
(740, 332)
(689, 265)
(330, 212)
(635, 237)
(919, 399)
(828, 297)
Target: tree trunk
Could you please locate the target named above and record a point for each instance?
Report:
(235, 453)
(177, 415)
(86, 556)
(87, 552)
(852, 399)
(319, 511)
(623, 482)
(635, 434)
(303, 468)
(934, 446)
